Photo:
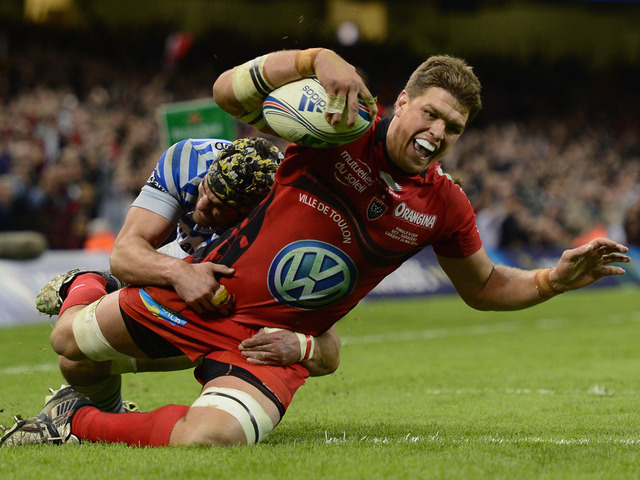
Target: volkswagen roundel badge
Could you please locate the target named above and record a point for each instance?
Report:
(310, 274)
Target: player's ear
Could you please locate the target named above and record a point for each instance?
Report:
(401, 102)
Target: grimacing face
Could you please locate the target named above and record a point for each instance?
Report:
(210, 211)
(424, 128)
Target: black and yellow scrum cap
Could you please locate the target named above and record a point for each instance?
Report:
(243, 173)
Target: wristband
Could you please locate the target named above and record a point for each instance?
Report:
(307, 346)
(305, 60)
(543, 284)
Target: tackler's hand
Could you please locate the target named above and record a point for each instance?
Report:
(198, 286)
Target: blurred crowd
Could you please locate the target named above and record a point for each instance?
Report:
(551, 182)
(79, 137)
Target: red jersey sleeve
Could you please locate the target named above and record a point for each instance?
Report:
(460, 237)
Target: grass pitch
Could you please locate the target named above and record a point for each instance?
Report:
(427, 389)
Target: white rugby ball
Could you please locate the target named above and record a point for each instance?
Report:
(295, 111)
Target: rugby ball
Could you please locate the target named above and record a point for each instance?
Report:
(295, 111)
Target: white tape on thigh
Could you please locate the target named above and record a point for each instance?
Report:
(253, 419)
(89, 338)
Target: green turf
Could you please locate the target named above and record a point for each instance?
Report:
(426, 389)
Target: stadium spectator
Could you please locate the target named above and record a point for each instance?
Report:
(8, 202)
(280, 240)
(100, 237)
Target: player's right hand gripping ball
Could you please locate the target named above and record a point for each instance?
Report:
(223, 301)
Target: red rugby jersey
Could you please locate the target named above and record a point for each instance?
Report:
(336, 222)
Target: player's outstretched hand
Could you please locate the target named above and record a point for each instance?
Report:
(584, 265)
(343, 85)
(281, 347)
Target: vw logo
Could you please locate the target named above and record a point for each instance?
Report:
(310, 274)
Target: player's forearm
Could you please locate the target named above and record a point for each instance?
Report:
(136, 262)
(277, 346)
(326, 356)
(508, 289)
(486, 287)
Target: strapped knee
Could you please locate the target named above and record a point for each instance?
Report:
(253, 418)
(89, 337)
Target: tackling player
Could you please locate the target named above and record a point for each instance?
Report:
(198, 189)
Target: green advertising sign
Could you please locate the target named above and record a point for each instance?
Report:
(194, 119)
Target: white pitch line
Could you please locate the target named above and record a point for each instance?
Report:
(596, 390)
(24, 369)
(343, 437)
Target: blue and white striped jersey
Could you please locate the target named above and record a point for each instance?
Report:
(172, 189)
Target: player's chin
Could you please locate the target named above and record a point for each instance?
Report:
(418, 164)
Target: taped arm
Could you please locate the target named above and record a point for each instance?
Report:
(242, 90)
